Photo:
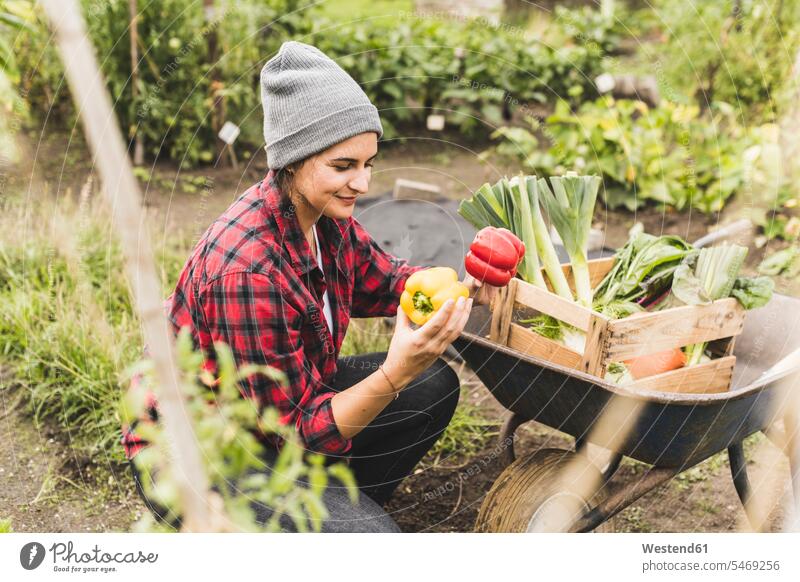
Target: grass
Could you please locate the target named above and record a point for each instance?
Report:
(468, 433)
(5, 526)
(365, 336)
(633, 521)
(67, 327)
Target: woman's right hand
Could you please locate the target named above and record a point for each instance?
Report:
(412, 351)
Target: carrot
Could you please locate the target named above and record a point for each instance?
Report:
(658, 363)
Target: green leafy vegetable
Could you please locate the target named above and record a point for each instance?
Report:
(708, 274)
(546, 326)
(705, 276)
(753, 292)
(642, 271)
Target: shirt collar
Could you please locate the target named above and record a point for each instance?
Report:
(331, 233)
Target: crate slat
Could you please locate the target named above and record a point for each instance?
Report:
(552, 304)
(593, 359)
(673, 328)
(529, 342)
(708, 378)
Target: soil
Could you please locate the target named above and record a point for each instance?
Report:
(44, 488)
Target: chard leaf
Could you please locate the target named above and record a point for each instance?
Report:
(753, 292)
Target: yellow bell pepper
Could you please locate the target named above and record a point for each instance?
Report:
(426, 291)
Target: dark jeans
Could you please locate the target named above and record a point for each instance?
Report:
(384, 452)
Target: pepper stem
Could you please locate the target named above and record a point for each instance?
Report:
(422, 302)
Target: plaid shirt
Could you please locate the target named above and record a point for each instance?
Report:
(253, 283)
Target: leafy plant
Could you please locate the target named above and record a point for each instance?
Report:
(666, 154)
(642, 273)
(474, 73)
(174, 106)
(227, 428)
(785, 262)
(15, 17)
(67, 327)
(737, 51)
(467, 434)
(570, 206)
(713, 273)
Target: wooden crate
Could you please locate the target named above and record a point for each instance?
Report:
(616, 340)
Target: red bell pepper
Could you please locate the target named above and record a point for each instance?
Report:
(494, 255)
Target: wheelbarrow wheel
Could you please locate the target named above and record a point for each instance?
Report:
(519, 499)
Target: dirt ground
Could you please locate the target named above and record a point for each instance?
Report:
(44, 488)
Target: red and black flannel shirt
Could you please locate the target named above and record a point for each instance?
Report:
(253, 283)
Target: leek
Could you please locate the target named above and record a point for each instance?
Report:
(484, 209)
(521, 215)
(570, 206)
(527, 187)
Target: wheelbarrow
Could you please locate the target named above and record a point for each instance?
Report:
(670, 432)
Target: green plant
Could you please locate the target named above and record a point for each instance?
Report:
(174, 108)
(15, 18)
(366, 336)
(227, 428)
(570, 206)
(642, 273)
(410, 65)
(468, 433)
(67, 327)
(784, 262)
(737, 51)
(667, 154)
(712, 273)
(5, 526)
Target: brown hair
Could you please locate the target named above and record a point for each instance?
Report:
(284, 177)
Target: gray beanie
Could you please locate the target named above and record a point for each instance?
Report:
(310, 103)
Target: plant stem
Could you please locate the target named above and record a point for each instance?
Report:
(583, 285)
(694, 353)
(544, 244)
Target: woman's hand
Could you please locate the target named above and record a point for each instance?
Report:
(482, 293)
(412, 351)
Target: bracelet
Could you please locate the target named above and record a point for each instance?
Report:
(385, 375)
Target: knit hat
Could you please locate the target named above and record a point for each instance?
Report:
(310, 103)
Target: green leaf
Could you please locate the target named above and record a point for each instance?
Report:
(784, 262)
(753, 292)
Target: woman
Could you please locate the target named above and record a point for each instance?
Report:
(279, 275)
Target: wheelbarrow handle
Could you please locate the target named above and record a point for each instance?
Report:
(734, 229)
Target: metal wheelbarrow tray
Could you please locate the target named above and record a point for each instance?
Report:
(670, 431)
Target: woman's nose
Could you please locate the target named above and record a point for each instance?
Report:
(360, 183)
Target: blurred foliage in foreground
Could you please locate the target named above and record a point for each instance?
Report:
(225, 425)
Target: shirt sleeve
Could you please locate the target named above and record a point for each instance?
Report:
(379, 277)
(250, 313)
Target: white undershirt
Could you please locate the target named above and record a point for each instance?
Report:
(326, 304)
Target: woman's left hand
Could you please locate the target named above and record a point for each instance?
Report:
(480, 292)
